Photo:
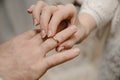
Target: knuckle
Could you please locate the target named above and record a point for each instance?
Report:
(60, 6)
(45, 8)
(53, 8)
(40, 2)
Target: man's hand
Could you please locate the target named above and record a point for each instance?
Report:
(24, 57)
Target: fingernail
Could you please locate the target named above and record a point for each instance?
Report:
(28, 10)
(35, 22)
(60, 49)
(43, 34)
(49, 33)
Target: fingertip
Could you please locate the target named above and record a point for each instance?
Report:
(66, 46)
(29, 11)
(76, 50)
(63, 47)
(36, 22)
(59, 49)
(51, 31)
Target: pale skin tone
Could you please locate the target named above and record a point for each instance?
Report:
(50, 17)
(24, 57)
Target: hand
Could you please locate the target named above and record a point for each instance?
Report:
(24, 57)
(52, 18)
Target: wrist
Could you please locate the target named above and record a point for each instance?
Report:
(85, 26)
(82, 27)
(86, 22)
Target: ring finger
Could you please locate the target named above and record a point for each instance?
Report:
(60, 37)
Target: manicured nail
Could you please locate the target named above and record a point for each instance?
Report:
(49, 33)
(28, 10)
(35, 22)
(43, 34)
(60, 49)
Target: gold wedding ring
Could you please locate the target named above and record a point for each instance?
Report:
(57, 41)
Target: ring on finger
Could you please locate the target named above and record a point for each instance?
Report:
(56, 40)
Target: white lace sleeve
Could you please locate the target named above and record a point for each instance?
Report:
(101, 10)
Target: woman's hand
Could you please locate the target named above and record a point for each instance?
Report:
(24, 57)
(52, 18)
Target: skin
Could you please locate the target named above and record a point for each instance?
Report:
(49, 17)
(24, 57)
